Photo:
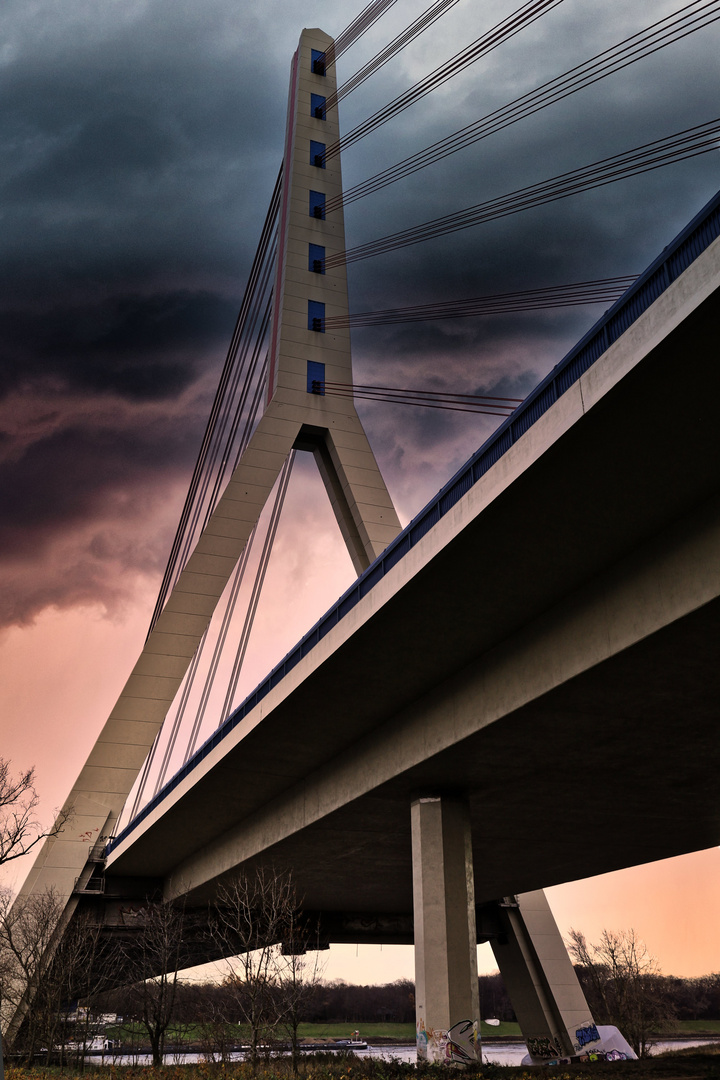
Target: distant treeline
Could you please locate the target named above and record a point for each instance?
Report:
(685, 999)
(341, 1002)
(693, 999)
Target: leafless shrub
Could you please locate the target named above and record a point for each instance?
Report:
(20, 830)
(623, 984)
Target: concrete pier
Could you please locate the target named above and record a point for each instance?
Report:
(446, 985)
(539, 977)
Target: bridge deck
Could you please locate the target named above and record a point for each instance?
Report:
(542, 636)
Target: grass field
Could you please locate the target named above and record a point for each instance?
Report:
(406, 1032)
(367, 1031)
(696, 1027)
(192, 1033)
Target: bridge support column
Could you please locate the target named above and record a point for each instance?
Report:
(446, 984)
(539, 977)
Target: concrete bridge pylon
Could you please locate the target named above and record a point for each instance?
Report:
(297, 415)
(304, 351)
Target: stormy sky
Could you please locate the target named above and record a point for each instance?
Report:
(139, 143)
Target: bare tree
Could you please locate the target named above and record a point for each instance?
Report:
(27, 932)
(211, 1018)
(152, 959)
(253, 916)
(298, 976)
(623, 985)
(20, 832)
(44, 964)
(77, 976)
(20, 829)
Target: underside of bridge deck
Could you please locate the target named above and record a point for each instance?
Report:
(554, 660)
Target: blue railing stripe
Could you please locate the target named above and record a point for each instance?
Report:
(677, 256)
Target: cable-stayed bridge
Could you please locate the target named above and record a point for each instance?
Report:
(552, 609)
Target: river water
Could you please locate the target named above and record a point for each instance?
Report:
(506, 1053)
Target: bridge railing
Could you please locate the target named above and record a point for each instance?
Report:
(675, 258)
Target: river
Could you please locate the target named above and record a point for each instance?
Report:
(501, 1053)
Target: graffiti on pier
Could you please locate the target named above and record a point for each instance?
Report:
(587, 1034)
(427, 1042)
(462, 1043)
(601, 1055)
(543, 1048)
(456, 1046)
(421, 1040)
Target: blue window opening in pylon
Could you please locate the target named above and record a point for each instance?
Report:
(317, 62)
(316, 259)
(317, 154)
(315, 378)
(316, 316)
(317, 106)
(317, 204)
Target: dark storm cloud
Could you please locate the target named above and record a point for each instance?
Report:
(132, 178)
(98, 466)
(132, 148)
(139, 143)
(91, 487)
(102, 156)
(138, 346)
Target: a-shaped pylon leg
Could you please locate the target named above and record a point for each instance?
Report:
(548, 1000)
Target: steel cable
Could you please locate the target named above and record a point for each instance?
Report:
(227, 384)
(237, 582)
(503, 31)
(244, 372)
(646, 42)
(476, 403)
(185, 692)
(258, 584)
(603, 290)
(688, 143)
(231, 603)
(355, 30)
(427, 19)
(229, 406)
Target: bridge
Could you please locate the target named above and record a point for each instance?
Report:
(558, 592)
(519, 690)
(538, 643)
